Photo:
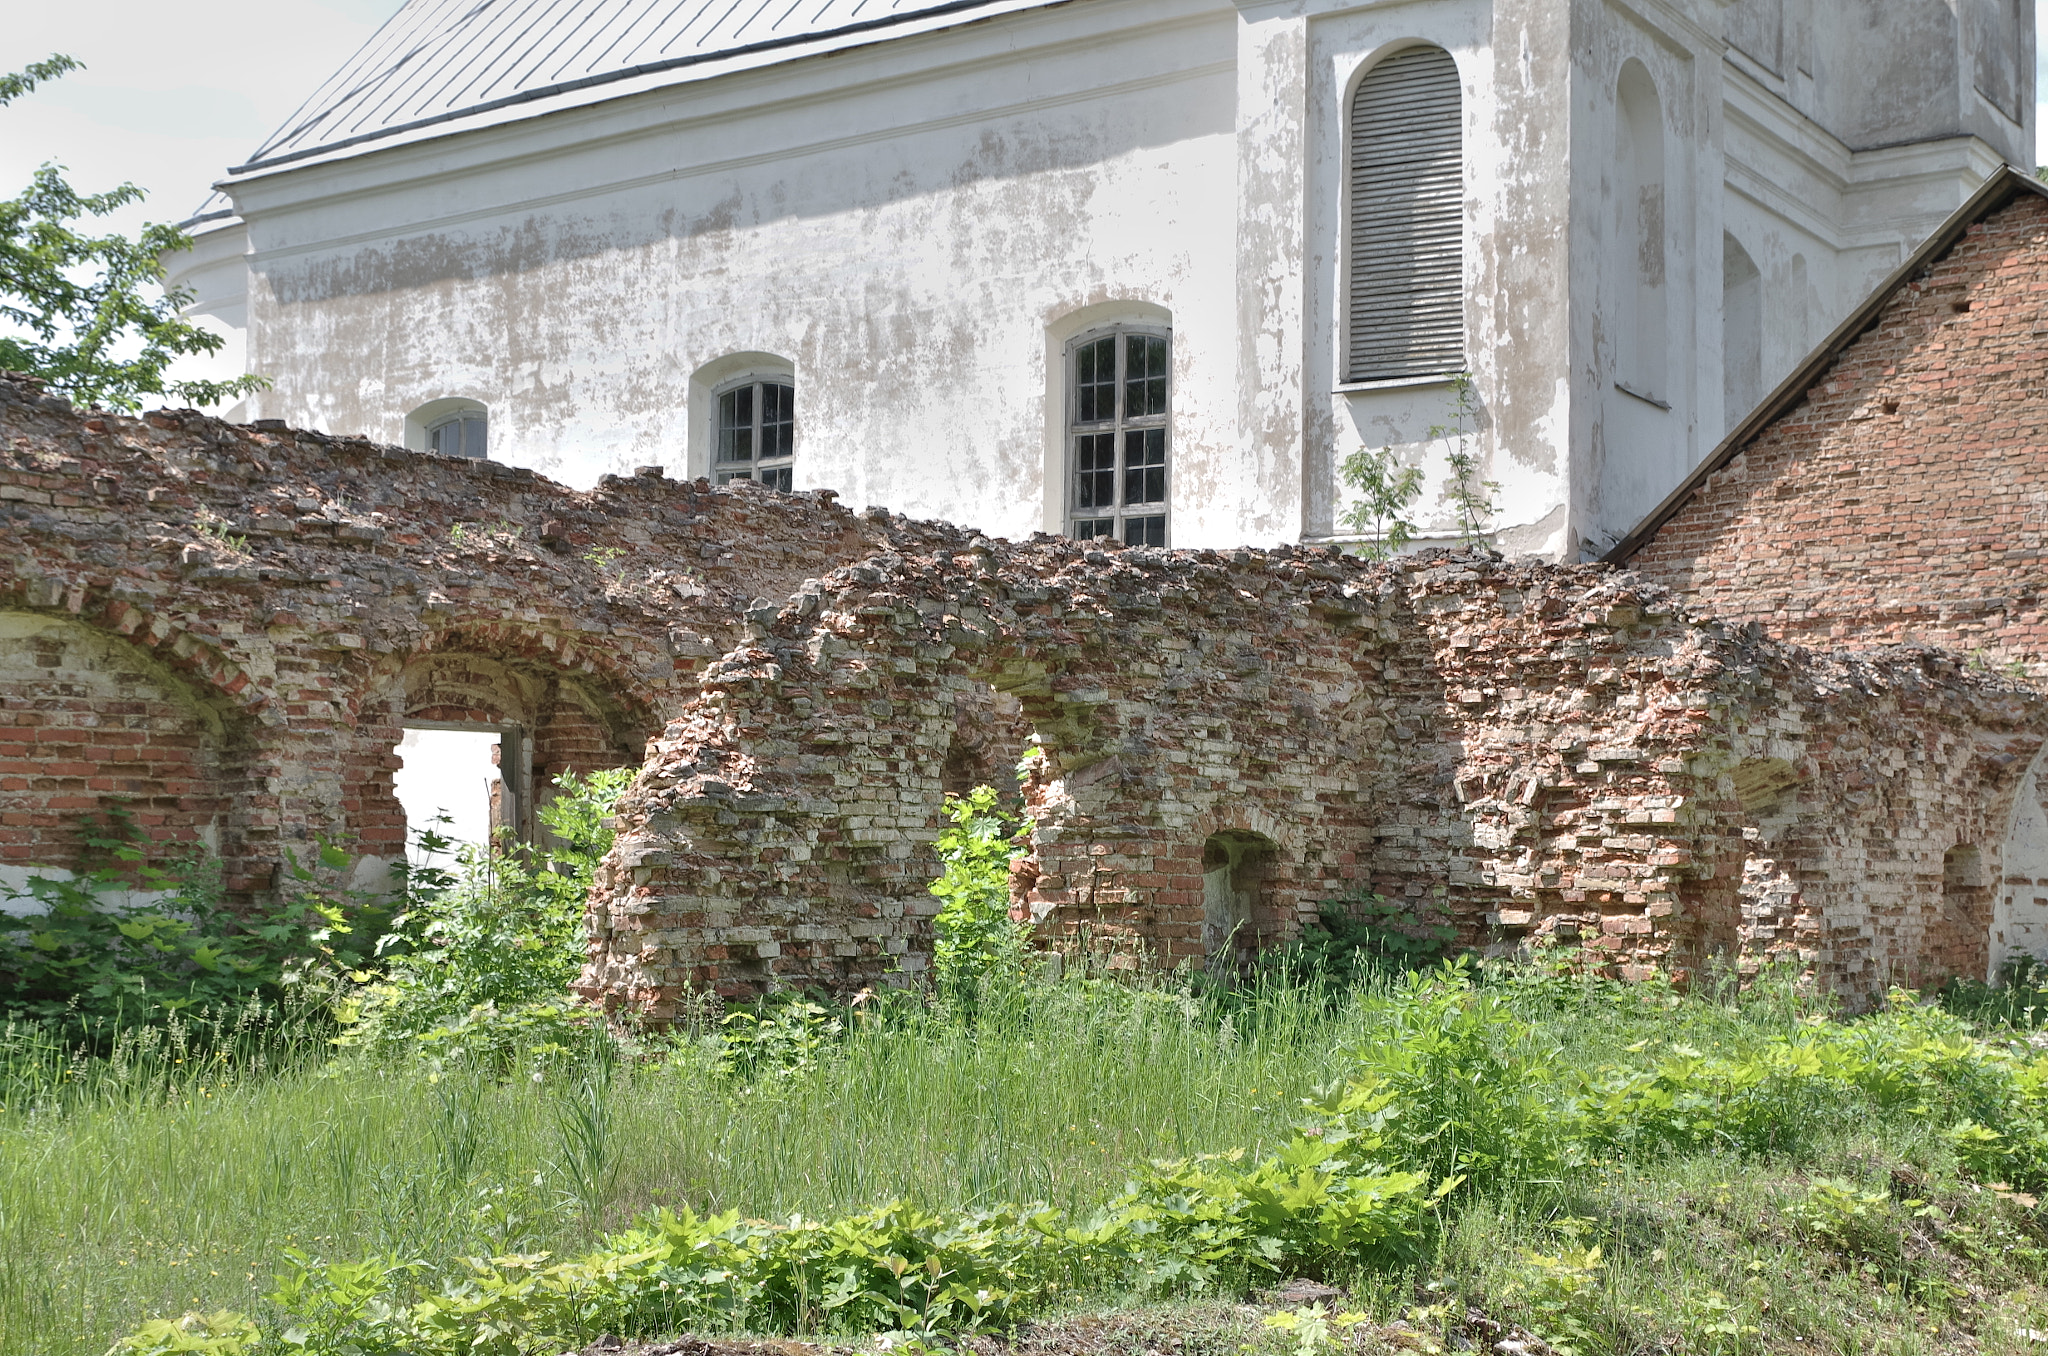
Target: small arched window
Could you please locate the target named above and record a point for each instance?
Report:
(1406, 303)
(463, 435)
(454, 427)
(1118, 412)
(753, 434)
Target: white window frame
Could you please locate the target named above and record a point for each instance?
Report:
(429, 419)
(779, 471)
(1150, 520)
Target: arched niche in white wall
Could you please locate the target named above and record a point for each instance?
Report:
(722, 374)
(2019, 897)
(1742, 332)
(1643, 327)
(1060, 333)
(455, 425)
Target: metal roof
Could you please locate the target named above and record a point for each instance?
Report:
(438, 60)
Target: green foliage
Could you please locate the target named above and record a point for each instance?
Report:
(777, 1038)
(1385, 490)
(2019, 999)
(1179, 1227)
(216, 1334)
(81, 305)
(1841, 1216)
(482, 960)
(127, 941)
(1471, 498)
(1357, 939)
(978, 950)
(1458, 1098)
(1559, 1296)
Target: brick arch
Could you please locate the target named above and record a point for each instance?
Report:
(556, 717)
(785, 824)
(160, 633)
(90, 721)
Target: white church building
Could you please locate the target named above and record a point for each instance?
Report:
(1145, 268)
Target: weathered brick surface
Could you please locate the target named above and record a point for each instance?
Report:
(1902, 501)
(227, 626)
(1520, 749)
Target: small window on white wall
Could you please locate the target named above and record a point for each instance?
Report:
(456, 426)
(463, 435)
(754, 432)
(1117, 434)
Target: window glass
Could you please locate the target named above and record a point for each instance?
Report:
(756, 433)
(1118, 434)
(461, 436)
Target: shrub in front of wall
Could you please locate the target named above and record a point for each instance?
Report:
(128, 941)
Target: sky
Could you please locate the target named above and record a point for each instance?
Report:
(173, 94)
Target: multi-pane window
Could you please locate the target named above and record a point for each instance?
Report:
(460, 435)
(756, 434)
(1117, 436)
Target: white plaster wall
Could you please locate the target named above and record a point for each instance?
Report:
(215, 272)
(1517, 296)
(912, 226)
(2019, 907)
(902, 224)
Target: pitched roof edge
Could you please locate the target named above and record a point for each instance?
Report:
(2004, 185)
(535, 95)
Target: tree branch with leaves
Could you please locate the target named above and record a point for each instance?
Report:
(89, 314)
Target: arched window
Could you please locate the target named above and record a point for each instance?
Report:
(1118, 413)
(753, 435)
(454, 427)
(1639, 199)
(1742, 332)
(1406, 307)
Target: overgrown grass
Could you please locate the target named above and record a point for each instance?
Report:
(1837, 1216)
(169, 1190)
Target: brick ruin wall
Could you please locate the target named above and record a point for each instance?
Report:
(1231, 738)
(227, 627)
(1901, 501)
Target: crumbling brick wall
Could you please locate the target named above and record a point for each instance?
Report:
(1523, 750)
(226, 627)
(229, 626)
(1900, 502)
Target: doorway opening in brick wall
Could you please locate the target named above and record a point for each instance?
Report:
(1234, 869)
(451, 779)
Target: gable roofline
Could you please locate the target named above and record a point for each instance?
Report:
(348, 94)
(2005, 184)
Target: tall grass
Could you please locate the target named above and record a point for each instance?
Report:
(162, 1186)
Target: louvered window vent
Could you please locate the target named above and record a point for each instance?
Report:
(1406, 306)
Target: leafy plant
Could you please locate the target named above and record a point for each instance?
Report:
(80, 305)
(977, 947)
(1840, 1215)
(128, 940)
(1385, 489)
(1358, 938)
(479, 965)
(1470, 497)
(778, 1037)
(215, 1334)
(1559, 1293)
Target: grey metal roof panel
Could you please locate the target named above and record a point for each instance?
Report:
(439, 60)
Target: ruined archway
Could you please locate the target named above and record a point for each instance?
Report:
(99, 723)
